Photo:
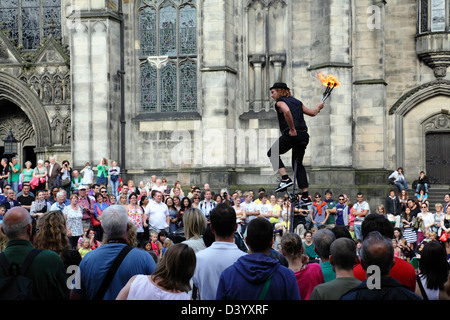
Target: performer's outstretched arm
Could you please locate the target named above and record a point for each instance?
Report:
(313, 112)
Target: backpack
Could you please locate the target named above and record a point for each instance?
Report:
(15, 285)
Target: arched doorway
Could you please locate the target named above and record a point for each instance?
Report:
(437, 141)
(420, 134)
(22, 112)
(14, 119)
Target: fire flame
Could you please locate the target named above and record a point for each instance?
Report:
(329, 81)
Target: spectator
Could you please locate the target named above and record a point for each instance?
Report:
(14, 168)
(40, 205)
(423, 183)
(73, 214)
(157, 213)
(360, 210)
(322, 240)
(94, 267)
(320, 212)
(10, 201)
(26, 198)
(60, 203)
(223, 252)
(52, 233)
(46, 271)
(308, 275)
(342, 258)
(399, 179)
(87, 205)
(170, 281)
(309, 247)
(402, 270)
(256, 275)
(54, 171)
(377, 250)
(433, 273)
(393, 207)
(194, 223)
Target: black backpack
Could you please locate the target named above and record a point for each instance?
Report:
(15, 285)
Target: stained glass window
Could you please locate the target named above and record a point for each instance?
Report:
(437, 15)
(33, 22)
(168, 32)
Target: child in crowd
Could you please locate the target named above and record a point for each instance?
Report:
(153, 242)
(397, 250)
(85, 247)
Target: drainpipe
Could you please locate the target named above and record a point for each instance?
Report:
(121, 73)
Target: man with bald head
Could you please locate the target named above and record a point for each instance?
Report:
(47, 269)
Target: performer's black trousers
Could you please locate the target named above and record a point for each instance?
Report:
(298, 145)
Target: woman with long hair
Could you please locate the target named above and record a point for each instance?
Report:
(51, 232)
(433, 272)
(169, 281)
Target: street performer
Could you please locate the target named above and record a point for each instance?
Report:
(294, 135)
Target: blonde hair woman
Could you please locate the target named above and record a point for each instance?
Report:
(194, 223)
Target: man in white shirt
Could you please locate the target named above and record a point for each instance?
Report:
(207, 204)
(360, 210)
(157, 212)
(220, 255)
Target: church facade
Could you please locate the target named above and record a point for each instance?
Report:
(180, 88)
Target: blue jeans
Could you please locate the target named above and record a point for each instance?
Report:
(358, 231)
(422, 186)
(401, 184)
(15, 187)
(115, 188)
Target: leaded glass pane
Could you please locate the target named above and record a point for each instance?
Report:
(188, 31)
(167, 30)
(169, 88)
(52, 18)
(188, 87)
(148, 29)
(149, 88)
(423, 19)
(8, 15)
(437, 15)
(30, 24)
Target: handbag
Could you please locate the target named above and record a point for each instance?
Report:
(94, 221)
(443, 237)
(65, 182)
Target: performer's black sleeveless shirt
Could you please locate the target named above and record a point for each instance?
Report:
(296, 108)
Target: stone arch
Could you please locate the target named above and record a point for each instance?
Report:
(406, 106)
(17, 92)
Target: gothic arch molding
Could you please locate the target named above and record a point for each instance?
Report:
(408, 102)
(14, 90)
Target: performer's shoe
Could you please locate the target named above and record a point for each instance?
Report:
(306, 201)
(284, 184)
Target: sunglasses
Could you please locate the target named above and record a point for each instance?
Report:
(341, 199)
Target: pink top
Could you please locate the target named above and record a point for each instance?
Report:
(310, 276)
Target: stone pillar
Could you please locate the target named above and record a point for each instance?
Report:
(95, 61)
(369, 94)
(218, 68)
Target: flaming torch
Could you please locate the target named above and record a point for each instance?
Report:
(330, 81)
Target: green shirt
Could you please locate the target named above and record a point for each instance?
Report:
(331, 217)
(47, 270)
(327, 270)
(102, 171)
(15, 175)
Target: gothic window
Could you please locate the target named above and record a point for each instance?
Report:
(29, 21)
(168, 55)
(434, 16)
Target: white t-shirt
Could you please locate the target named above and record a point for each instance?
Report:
(263, 209)
(157, 213)
(142, 288)
(360, 207)
(249, 207)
